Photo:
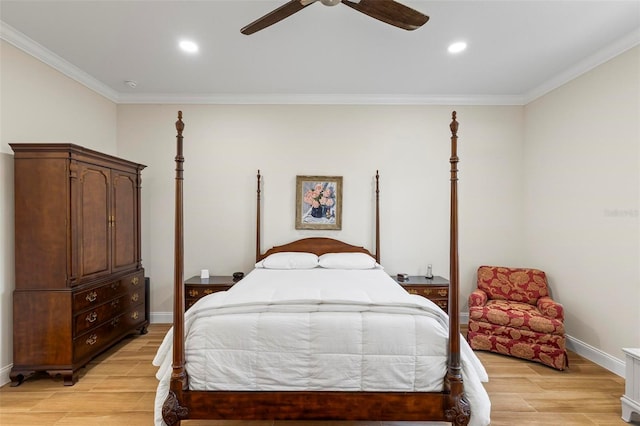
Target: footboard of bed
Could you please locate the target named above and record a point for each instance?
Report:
(313, 405)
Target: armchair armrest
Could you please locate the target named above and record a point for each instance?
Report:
(478, 298)
(550, 308)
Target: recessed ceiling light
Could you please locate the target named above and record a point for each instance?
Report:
(188, 46)
(457, 47)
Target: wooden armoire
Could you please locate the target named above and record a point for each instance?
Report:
(80, 284)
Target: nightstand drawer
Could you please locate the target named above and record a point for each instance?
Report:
(196, 292)
(196, 287)
(428, 292)
(435, 289)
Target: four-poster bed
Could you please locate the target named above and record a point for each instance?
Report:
(318, 291)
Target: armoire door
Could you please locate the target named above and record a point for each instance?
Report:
(124, 219)
(93, 221)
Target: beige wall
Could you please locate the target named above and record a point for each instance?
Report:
(38, 104)
(410, 145)
(582, 168)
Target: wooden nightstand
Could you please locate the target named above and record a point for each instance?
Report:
(196, 287)
(435, 289)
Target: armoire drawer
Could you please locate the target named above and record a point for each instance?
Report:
(95, 316)
(134, 316)
(97, 295)
(134, 282)
(92, 341)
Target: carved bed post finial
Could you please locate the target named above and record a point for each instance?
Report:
(454, 124)
(179, 124)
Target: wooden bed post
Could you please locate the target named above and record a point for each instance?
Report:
(459, 411)
(377, 217)
(172, 412)
(258, 219)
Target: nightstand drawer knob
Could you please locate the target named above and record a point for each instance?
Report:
(193, 293)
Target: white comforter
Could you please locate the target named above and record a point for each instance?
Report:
(319, 329)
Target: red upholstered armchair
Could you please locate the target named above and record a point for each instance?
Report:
(511, 313)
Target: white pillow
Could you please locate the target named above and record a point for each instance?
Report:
(289, 260)
(347, 261)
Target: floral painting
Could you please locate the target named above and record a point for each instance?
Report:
(318, 202)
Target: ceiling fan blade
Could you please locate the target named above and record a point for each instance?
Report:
(276, 15)
(391, 12)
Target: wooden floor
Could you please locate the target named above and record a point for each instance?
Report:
(118, 388)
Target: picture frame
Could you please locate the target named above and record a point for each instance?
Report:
(319, 202)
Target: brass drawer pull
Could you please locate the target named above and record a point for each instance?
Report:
(135, 297)
(208, 291)
(193, 293)
(413, 291)
(92, 317)
(115, 322)
(91, 297)
(135, 280)
(115, 303)
(443, 293)
(134, 315)
(91, 340)
(115, 285)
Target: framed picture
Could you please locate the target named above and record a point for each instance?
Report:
(318, 202)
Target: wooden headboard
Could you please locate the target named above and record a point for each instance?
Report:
(316, 245)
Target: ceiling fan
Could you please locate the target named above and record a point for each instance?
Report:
(388, 11)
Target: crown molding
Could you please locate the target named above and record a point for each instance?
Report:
(318, 99)
(611, 51)
(24, 43)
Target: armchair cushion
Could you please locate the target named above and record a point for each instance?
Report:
(517, 284)
(521, 316)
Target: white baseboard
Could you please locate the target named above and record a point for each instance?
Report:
(4, 374)
(161, 318)
(595, 355)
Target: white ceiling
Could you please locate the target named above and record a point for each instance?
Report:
(517, 50)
